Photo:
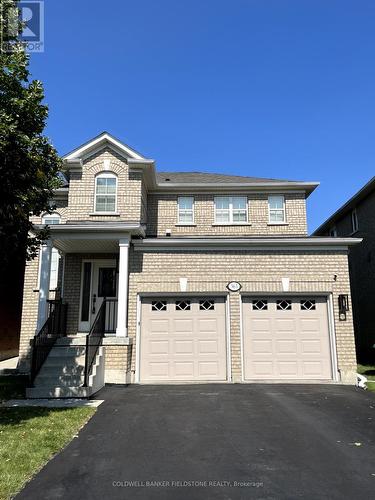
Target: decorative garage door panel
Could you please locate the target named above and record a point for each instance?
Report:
(183, 339)
(286, 338)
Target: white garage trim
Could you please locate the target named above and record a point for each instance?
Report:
(137, 340)
(227, 333)
(140, 296)
(331, 332)
(242, 354)
(332, 338)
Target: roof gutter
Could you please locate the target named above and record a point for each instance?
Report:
(233, 244)
(307, 187)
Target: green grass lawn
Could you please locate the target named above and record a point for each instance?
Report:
(30, 436)
(369, 372)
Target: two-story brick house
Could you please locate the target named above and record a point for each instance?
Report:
(194, 277)
(356, 218)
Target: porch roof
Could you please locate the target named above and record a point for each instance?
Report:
(92, 237)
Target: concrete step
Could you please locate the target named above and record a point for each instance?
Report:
(70, 369)
(59, 380)
(71, 341)
(65, 360)
(67, 351)
(58, 392)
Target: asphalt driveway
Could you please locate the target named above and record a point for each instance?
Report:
(219, 441)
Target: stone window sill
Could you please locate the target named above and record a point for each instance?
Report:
(278, 224)
(231, 224)
(185, 224)
(106, 214)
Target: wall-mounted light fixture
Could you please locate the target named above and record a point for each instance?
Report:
(343, 306)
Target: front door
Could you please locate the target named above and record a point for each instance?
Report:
(99, 281)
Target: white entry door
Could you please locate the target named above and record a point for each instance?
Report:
(99, 281)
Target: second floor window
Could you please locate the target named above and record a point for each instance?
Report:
(105, 192)
(333, 232)
(185, 209)
(276, 207)
(354, 221)
(230, 209)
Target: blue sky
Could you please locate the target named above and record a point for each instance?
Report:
(270, 88)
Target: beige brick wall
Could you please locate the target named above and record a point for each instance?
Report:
(29, 312)
(257, 271)
(118, 364)
(82, 190)
(162, 215)
(261, 272)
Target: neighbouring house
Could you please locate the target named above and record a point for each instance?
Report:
(357, 218)
(165, 277)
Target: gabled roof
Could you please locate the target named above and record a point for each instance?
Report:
(174, 181)
(347, 207)
(99, 142)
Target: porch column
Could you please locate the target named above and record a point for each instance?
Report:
(44, 279)
(123, 281)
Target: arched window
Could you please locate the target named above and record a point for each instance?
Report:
(106, 192)
(51, 219)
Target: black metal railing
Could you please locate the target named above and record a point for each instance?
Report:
(111, 315)
(105, 322)
(42, 343)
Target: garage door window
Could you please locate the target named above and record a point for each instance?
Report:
(182, 305)
(308, 305)
(284, 305)
(260, 305)
(159, 305)
(206, 305)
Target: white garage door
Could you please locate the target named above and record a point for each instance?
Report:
(183, 339)
(286, 338)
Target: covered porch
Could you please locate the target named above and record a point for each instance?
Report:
(92, 274)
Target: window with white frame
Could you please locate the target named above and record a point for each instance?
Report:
(276, 208)
(230, 209)
(354, 221)
(333, 232)
(51, 219)
(185, 209)
(105, 192)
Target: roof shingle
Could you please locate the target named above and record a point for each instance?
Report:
(208, 178)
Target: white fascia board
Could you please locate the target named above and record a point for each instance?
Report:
(92, 231)
(304, 187)
(97, 143)
(309, 244)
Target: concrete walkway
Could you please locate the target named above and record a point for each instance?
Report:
(219, 442)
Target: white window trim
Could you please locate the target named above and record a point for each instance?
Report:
(333, 232)
(231, 222)
(179, 222)
(276, 223)
(53, 215)
(105, 175)
(354, 221)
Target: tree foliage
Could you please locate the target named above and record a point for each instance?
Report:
(28, 162)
